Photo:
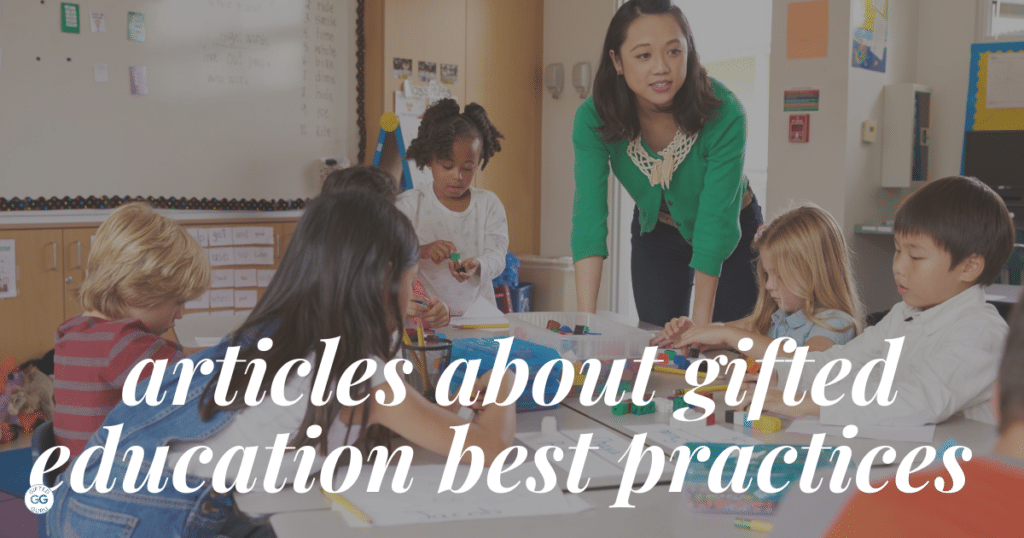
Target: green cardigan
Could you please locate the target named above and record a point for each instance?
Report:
(704, 197)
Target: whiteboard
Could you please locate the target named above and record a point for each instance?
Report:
(244, 98)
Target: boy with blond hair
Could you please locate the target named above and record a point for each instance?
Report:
(142, 268)
(953, 237)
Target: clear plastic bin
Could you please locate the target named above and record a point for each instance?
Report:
(615, 341)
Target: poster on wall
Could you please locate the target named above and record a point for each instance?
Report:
(869, 36)
(449, 73)
(427, 71)
(8, 275)
(401, 68)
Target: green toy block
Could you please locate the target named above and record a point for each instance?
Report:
(620, 409)
(642, 409)
(678, 403)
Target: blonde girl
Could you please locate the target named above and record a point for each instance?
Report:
(806, 292)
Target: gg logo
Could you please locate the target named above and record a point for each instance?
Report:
(39, 499)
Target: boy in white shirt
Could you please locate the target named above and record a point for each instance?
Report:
(453, 217)
(953, 237)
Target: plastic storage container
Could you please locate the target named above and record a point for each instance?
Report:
(615, 341)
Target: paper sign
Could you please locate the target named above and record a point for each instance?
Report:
(807, 30)
(222, 298)
(799, 127)
(222, 278)
(138, 81)
(99, 73)
(253, 235)
(99, 21)
(1005, 81)
(245, 278)
(136, 26)
(69, 22)
(220, 237)
(199, 303)
(199, 234)
(220, 257)
(245, 298)
(263, 277)
(800, 100)
(262, 255)
(8, 270)
(243, 256)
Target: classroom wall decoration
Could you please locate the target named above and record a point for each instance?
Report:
(995, 91)
(240, 98)
(110, 202)
(869, 36)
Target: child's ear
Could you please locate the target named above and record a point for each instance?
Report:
(971, 268)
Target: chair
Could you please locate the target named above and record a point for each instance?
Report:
(42, 440)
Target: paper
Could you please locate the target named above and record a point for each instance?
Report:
(670, 437)
(245, 298)
(916, 434)
(99, 21)
(224, 298)
(99, 73)
(138, 80)
(199, 234)
(220, 237)
(869, 37)
(262, 255)
(222, 278)
(807, 30)
(802, 100)
(69, 18)
(8, 270)
(222, 256)
(1005, 81)
(252, 235)
(199, 303)
(136, 26)
(245, 278)
(423, 504)
(263, 277)
(243, 255)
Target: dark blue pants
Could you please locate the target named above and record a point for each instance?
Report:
(663, 278)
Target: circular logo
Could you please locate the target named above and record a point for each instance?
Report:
(39, 499)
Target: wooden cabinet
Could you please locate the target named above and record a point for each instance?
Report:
(27, 322)
(50, 267)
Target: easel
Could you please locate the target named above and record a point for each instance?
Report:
(389, 124)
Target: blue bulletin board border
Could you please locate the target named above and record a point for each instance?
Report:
(157, 202)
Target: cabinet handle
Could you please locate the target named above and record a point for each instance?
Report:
(69, 280)
(54, 245)
(79, 245)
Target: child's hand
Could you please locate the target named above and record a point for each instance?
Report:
(438, 251)
(673, 330)
(464, 269)
(706, 336)
(435, 313)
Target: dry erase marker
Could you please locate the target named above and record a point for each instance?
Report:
(753, 524)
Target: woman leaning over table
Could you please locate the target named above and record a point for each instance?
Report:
(675, 139)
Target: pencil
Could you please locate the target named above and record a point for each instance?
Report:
(351, 508)
(483, 326)
(671, 370)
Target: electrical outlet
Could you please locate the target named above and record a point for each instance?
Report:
(869, 131)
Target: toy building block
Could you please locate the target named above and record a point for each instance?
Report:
(642, 409)
(710, 421)
(681, 362)
(621, 408)
(678, 403)
(661, 358)
(663, 405)
(579, 329)
(553, 325)
(753, 367)
(738, 418)
(768, 424)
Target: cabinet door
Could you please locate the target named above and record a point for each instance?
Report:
(28, 321)
(77, 242)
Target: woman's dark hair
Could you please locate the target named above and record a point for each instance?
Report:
(362, 176)
(694, 103)
(340, 277)
(443, 124)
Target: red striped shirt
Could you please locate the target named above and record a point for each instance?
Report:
(92, 357)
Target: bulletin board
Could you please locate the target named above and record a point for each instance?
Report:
(1002, 64)
(240, 98)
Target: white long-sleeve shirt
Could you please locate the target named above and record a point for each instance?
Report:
(949, 362)
(480, 232)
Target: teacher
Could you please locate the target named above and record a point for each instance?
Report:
(675, 139)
